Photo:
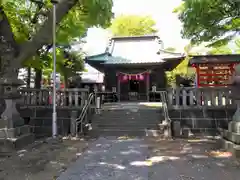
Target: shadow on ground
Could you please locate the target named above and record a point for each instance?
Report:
(190, 159)
(43, 160)
(153, 159)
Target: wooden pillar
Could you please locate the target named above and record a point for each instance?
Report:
(197, 74)
(118, 87)
(147, 85)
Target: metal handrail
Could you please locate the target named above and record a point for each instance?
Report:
(163, 95)
(81, 117)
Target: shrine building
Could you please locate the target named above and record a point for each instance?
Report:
(133, 67)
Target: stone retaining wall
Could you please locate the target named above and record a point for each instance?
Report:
(202, 120)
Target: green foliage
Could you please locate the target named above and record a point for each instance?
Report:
(237, 43)
(68, 63)
(18, 17)
(226, 49)
(27, 17)
(220, 50)
(182, 69)
(170, 49)
(214, 21)
(133, 25)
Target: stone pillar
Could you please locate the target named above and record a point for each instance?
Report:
(12, 126)
(236, 116)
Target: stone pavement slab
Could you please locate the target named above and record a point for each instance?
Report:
(186, 160)
(110, 159)
(152, 159)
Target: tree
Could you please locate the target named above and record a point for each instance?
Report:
(182, 69)
(220, 50)
(26, 26)
(237, 43)
(133, 25)
(213, 21)
(170, 49)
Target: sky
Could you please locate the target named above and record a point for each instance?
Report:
(167, 23)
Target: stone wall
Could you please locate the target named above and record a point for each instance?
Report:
(202, 120)
(41, 120)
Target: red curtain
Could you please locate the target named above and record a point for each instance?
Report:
(124, 77)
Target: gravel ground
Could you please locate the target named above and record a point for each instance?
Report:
(44, 160)
(152, 159)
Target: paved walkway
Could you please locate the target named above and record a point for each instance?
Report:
(141, 159)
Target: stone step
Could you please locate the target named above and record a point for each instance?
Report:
(125, 123)
(122, 132)
(126, 127)
(192, 132)
(150, 116)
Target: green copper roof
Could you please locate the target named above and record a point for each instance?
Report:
(98, 57)
(121, 60)
(223, 58)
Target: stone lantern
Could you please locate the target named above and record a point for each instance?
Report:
(10, 95)
(12, 127)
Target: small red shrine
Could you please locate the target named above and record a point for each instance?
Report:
(214, 70)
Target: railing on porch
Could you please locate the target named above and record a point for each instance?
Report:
(209, 97)
(108, 96)
(72, 98)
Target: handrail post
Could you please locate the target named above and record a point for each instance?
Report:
(98, 105)
(73, 127)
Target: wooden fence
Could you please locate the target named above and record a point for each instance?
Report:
(209, 97)
(64, 98)
(180, 98)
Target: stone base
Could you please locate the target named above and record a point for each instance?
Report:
(12, 144)
(165, 130)
(193, 133)
(15, 138)
(231, 136)
(234, 126)
(231, 147)
(15, 132)
(176, 128)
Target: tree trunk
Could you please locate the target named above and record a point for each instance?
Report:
(38, 78)
(12, 54)
(66, 84)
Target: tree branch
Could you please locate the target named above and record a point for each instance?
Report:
(44, 35)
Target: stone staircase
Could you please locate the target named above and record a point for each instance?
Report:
(128, 119)
(230, 140)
